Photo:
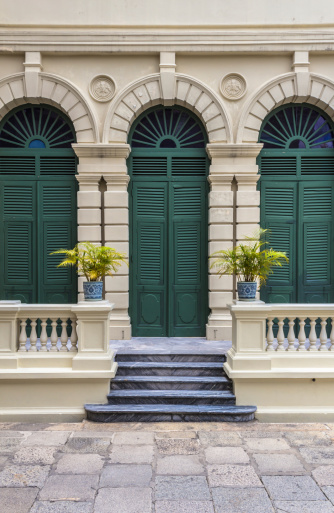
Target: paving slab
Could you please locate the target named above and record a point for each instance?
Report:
(267, 444)
(65, 487)
(324, 475)
(318, 455)
(35, 455)
(329, 492)
(135, 500)
(9, 445)
(132, 454)
(215, 439)
(221, 455)
(11, 434)
(87, 445)
(24, 475)
(309, 438)
(80, 464)
(17, 500)
(118, 476)
(292, 488)
(133, 438)
(278, 464)
(175, 434)
(170, 446)
(233, 475)
(181, 487)
(241, 500)
(51, 438)
(3, 460)
(184, 507)
(179, 465)
(303, 507)
(61, 507)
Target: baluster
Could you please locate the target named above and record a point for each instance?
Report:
(332, 335)
(280, 335)
(33, 336)
(313, 336)
(54, 336)
(23, 336)
(44, 336)
(291, 336)
(270, 335)
(301, 335)
(64, 337)
(74, 336)
(323, 336)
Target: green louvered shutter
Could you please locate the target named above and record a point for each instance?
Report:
(149, 258)
(315, 276)
(57, 229)
(279, 216)
(17, 239)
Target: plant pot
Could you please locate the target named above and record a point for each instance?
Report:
(246, 290)
(93, 290)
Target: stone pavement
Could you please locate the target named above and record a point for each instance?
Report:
(166, 468)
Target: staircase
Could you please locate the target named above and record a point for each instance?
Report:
(170, 387)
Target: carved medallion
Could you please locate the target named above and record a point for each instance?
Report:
(233, 86)
(102, 88)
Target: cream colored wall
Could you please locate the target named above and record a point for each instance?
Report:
(10, 64)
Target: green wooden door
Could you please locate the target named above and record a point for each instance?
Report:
(37, 206)
(296, 186)
(168, 226)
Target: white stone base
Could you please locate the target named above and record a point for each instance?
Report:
(219, 327)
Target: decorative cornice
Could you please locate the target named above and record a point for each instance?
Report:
(116, 179)
(111, 150)
(233, 150)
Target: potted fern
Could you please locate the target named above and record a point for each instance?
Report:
(94, 262)
(250, 262)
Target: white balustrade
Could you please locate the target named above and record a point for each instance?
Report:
(53, 332)
(301, 329)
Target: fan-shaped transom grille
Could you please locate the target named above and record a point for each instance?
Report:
(168, 128)
(297, 127)
(36, 126)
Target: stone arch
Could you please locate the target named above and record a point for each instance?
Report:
(147, 92)
(287, 88)
(55, 91)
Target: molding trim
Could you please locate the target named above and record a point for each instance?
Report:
(56, 91)
(147, 92)
(233, 150)
(102, 150)
(297, 87)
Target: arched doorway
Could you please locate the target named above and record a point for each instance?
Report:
(297, 186)
(168, 166)
(37, 205)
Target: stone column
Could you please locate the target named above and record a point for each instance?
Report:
(232, 215)
(116, 235)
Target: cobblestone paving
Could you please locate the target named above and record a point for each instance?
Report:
(166, 468)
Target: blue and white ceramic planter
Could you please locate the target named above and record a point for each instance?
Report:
(93, 290)
(246, 290)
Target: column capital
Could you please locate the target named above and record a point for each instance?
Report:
(114, 150)
(219, 150)
(116, 180)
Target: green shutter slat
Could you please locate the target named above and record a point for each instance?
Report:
(317, 253)
(188, 166)
(57, 201)
(317, 165)
(17, 165)
(18, 200)
(187, 201)
(143, 166)
(317, 201)
(279, 202)
(150, 246)
(56, 236)
(57, 166)
(280, 238)
(278, 166)
(187, 252)
(150, 202)
(18, 253)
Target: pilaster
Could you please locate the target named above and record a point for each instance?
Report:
(32, 67)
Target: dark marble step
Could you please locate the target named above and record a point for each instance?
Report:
(170, 369)
(171, 382)
(123, 356)
(171, 397)
(164, 412)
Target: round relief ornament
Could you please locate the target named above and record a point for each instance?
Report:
(102, 88)
(233, 86)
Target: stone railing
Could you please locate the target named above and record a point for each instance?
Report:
(282, 359)
(54, 359)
